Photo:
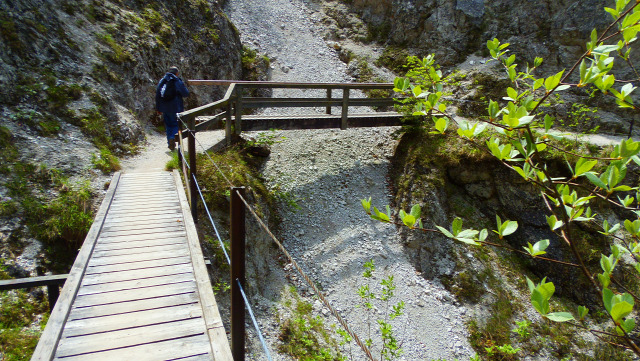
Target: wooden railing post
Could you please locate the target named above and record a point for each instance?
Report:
(345, 108)
(53, 292)
(228, 126)
(329, 97)
(237, 273)
(238, 125)
(193, 190)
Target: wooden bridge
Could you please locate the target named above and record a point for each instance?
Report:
(139, 289)
(229, 110)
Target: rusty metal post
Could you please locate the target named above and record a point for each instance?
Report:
(192, 163)
(345, 108)
(329, 97)
(237, 273)
(53, 292)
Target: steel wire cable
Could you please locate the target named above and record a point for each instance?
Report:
(253, 319)
(244, 296)
(321, 296)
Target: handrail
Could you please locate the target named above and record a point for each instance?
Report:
(293, 85)
(235, 102)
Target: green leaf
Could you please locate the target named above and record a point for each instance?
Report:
(445, 232)
(554, 223)
(511, 226)
(531, 285)
(467, 241)
(583, 166)
(582, 312)
(628, 325)
(551, 82)
(606, 264)
(456, 226)
(483, 235)
(607, 298)
(409, 220)
(605, 279)
(620, 310)
(415, 211)
(366, 204)
(593, 178)
(560, 316)
(605, 49)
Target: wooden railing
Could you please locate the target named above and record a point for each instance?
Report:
(234, 102)
(53, 284)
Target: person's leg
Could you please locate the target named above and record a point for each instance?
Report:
(171, 127)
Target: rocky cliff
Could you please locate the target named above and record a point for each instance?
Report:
(78, 80)
(453, 29)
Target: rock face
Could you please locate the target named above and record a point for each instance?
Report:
(117, 50)
(453, 29)
(79, 77)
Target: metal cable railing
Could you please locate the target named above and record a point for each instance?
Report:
(222, 246)
(308, 280)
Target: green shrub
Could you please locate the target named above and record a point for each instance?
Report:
(118, 53)
(173, 163)
(105, 161)
(18, 312)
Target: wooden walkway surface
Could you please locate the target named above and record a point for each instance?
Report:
(139, 289)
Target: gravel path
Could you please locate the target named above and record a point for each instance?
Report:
(154, 154)
(329, 171)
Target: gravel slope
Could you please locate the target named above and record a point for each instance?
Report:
(329, 171)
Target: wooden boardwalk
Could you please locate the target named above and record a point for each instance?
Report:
(139, 289)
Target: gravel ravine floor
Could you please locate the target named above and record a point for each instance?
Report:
(329, 171)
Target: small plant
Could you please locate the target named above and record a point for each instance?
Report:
(173, 162)
(105, 161)
(390, 348)
(305, 337)
(523, 329)
(118, 53)
(266, 138)
(18, 313)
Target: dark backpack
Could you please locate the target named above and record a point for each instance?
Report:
(168, 90)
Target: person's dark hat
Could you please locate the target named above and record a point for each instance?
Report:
(174, 70)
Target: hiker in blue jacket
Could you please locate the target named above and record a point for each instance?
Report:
(169, 94)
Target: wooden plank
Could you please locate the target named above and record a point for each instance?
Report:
(135, 227)
(117, 232)
(145, 200)
(93, 300)
(144, 208)
(136, 275)
(137, 265)
(211, 315)
(169, 214)
(178, 348)
(131, 320)
(130, 337)
(138, 246)
(47, 345)
(138, 250)
(141, 237)
(134, 306)
(135, 284)
(141, 224)
(16, 283)
(138, 257)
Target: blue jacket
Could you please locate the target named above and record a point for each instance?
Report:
(175, 105)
